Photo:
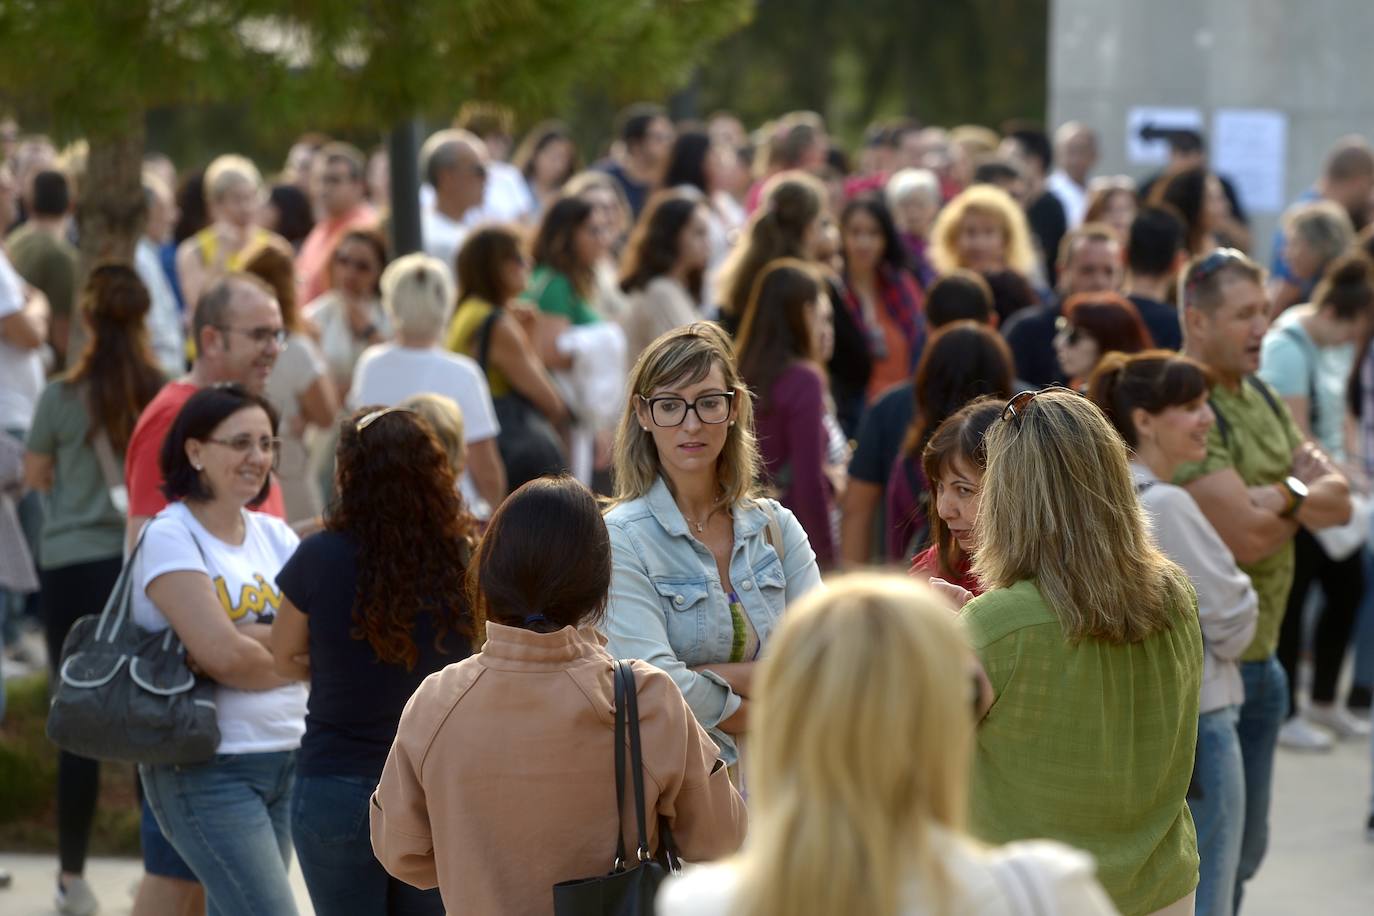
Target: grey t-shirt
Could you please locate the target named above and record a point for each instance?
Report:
(81, 524)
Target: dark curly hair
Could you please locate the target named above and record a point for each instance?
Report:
(398, 500)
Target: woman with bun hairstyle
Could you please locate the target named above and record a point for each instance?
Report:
(1157, 400)
(1308, 356)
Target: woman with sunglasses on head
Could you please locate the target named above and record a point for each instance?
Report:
(205, 569)
(1089, 638)
(865, 725)
(373, 604)
(349, 318)
(703, 567)
(1158, 402)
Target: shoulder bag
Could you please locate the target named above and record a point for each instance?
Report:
(125, 694)
(527, 441)
(626, 891)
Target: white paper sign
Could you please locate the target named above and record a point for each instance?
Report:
(1143, 150)
(1250, 147)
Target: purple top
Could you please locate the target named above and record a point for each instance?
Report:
(792, 442)
(905, 510)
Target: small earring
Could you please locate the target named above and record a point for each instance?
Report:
(198, 467)
(645, 428)
(732, 422)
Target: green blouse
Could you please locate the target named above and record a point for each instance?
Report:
(1090, 744)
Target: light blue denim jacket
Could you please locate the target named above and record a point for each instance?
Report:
(667, 604)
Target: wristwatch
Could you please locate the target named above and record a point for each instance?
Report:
(1296, 491)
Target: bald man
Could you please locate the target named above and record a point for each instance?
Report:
(454, 162)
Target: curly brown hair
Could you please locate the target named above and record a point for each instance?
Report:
(398, 500)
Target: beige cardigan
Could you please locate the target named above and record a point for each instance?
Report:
(501, 783)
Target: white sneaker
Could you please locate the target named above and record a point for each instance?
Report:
(76, 898)
(1339, 720)
(1300, 735)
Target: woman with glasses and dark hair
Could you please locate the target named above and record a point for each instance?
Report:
(206, 569)
(703, 567)
(76, 444)
(1093, 325)
(500, 783)
(373, 604)
(1089, 638)
(349, 318)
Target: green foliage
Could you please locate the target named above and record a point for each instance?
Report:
(339, 64)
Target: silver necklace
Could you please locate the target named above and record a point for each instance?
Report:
(700, 526)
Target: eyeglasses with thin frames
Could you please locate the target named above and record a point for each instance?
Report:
(670, 411)
(245, 443)
(261, 337)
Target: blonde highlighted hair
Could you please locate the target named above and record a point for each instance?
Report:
(684, 356)
(445, 417)
(862, 730)
(1059, 508)
(986, 200)
(227, 171)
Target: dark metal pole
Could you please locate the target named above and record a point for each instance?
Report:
(403, 151)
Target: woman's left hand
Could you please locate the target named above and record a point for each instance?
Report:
(957, 595)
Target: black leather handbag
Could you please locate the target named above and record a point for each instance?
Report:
(529, 445)
(126, 694)
(629, 889)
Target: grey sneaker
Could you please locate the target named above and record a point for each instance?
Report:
(75, 898)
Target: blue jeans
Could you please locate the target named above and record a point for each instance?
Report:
(1264, 709)
(1219, 812)
(330, 825)
(229, 820)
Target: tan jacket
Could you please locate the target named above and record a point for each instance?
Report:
(501, 780)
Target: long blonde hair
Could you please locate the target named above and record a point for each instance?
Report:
(1059, 508)
(863, 725)
(990, 201)
(685, 355)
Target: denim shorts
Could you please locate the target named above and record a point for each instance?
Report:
(159, 858)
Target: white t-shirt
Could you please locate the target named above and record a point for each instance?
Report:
(163, 321)
(244, 577)
(506, 199)
(21, 371)
(441, 237)
(388, 373)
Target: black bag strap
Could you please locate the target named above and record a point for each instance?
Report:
(636, 758)
(1309, 349)
(118, 606)
(484, 338)
(1224, 428)
(620, 709)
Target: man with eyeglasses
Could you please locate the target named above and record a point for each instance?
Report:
(1260, 481)
(454, 163)
(339, 192)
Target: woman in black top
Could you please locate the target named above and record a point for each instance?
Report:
(371, 606)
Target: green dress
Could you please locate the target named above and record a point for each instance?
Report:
(1090, 744)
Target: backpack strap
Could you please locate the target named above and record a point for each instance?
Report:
(1224, 428)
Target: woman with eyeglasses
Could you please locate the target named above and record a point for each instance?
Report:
(703, 566)
(865, 725)
(349, 318)
(372, 605)
(1089, 638)
(1093, 325)
(206, 569)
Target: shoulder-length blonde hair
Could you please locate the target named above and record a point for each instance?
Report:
(1059, 507)
(684, 356)
(864, 714)
(986, 200)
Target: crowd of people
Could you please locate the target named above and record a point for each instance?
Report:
(404, 509)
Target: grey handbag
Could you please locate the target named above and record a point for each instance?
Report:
(125, 694)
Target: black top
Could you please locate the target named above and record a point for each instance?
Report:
(1030, 334)
(355, 699)
(1048, 223)
(636, 194)
(850, 364)
(882, 433)
(1162, 319)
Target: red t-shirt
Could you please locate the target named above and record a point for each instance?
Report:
(928, 562)
(142, 470)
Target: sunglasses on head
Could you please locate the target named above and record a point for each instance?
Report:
(1020, 402)
(1209, 265)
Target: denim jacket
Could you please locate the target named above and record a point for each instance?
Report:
(668, 607)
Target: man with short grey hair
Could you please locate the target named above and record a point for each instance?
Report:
(454, 163)
(1075, 151)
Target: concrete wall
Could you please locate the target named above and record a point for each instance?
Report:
(1313, 60)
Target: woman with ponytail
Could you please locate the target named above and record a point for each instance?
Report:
(76, 455)
(500, 782)
(1308, 357)
(1157, 400)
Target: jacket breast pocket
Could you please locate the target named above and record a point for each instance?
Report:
(771, 582)
(686, 606)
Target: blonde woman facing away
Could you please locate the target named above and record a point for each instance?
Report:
(703, 568)
(864, 721)
(1089, 636)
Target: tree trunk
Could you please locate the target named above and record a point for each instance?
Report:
(110, 210)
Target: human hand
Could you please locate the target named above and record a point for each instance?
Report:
(956, 595)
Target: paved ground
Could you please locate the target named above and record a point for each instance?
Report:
(1319, 862)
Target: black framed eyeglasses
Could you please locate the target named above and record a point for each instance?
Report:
(1209, 265)
(1016, 407)
(261, 337)
(669, 411)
